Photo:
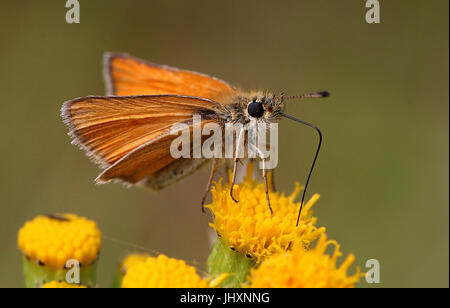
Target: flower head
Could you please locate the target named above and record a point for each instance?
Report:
(61, 285)
(52, 240)
(305, 269)
(162, 272)
(250, 228)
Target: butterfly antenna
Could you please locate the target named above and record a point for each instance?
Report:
(309, 95)
(314, 161)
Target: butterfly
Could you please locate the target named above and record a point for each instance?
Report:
(128, 131)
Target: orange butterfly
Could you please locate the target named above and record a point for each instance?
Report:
(128, 132)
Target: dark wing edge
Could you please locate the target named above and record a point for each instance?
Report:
(77, 139)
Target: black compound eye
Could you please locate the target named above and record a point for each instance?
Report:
(256, 109)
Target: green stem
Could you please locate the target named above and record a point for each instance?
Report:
(117, 282)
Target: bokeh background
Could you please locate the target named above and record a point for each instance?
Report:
(383, 173)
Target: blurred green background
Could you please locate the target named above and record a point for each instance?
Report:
(383, 173)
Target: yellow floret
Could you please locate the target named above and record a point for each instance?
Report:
(132, 260)
(52, 240)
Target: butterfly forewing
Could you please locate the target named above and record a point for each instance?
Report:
(127, 75)
(130, 135)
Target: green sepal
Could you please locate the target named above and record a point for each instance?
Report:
(37, 275)
(224, 260)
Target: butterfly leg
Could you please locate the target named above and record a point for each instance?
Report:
(211, 176)
(236, 160)
(272, 180)
(264, 174)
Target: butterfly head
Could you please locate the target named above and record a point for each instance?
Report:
(264, 107)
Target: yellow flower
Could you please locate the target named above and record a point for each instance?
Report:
(305, 269)
(52, 240)
(62, 285)
(162, 272)
(250, 228)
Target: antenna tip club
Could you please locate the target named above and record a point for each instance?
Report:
(324, 94)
